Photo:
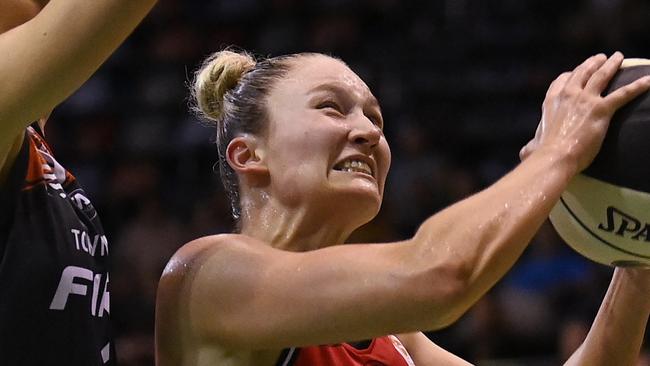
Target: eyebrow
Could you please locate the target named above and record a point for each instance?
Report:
(339, 88)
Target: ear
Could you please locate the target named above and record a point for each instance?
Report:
(246, 156)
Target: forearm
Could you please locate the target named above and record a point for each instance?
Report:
(55, 52)
(616, 335)
(482, 236)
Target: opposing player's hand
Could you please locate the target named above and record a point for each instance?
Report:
(575, 116)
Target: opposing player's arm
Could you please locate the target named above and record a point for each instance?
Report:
(17, 12)
(47, 58)
(616, 335)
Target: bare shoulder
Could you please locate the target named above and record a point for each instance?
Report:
(195, 275)
(205, 273)
(192, 257)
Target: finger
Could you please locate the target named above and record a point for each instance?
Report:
(625, 94)
(583, 72)
(599, 80)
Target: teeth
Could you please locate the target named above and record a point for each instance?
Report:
(356, 166)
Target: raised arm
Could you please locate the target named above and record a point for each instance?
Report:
(240, 293)
(47, 58)
(485, 234)
(616, 335)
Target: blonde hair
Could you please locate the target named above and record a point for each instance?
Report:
(218, 74)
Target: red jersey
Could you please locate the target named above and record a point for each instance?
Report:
(383, 351)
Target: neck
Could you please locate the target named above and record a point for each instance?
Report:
(295, 229)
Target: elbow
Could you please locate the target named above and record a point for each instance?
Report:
(446, 293)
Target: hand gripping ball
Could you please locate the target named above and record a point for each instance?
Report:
(604, 214)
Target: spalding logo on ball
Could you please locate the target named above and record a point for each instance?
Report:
(605, 212)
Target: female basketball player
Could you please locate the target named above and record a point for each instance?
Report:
(54, 297)
(304, 159)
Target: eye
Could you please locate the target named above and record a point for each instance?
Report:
(376, 120)
(330, 104)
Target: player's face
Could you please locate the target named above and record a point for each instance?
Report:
(325, 140)
(16, 12)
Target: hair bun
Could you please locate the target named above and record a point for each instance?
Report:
(219, 73)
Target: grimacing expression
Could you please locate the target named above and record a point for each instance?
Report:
(325, 136)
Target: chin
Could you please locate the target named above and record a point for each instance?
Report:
(360, 204)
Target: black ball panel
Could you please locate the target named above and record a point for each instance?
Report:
(624, 157)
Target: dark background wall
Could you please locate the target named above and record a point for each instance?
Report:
(460, 82)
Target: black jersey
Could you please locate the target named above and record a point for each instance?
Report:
(54, 296)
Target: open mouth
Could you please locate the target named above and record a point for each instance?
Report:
(354, 166)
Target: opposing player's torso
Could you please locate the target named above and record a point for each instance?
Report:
(54, 295)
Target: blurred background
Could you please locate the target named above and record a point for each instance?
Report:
(460, 83)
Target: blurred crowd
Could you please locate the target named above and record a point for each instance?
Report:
(460, 83)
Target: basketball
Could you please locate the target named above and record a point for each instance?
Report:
(604, 214)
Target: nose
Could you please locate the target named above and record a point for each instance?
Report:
(365, 133)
